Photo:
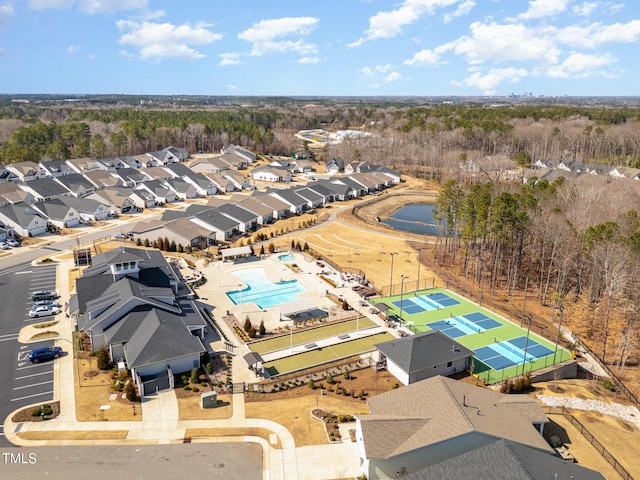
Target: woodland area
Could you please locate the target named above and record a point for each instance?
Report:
(576, 242)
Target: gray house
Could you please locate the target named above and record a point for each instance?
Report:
(418, 357)
(23, 220)
(428, 422)
(57, 213)
(44, 189)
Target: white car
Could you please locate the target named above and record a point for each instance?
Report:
(12, 243)
(43, 311)
(4, 246)
(47, 303)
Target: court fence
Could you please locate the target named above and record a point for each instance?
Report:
(601, 449)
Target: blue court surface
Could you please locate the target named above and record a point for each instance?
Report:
(505, 354)
(484, 322)
(448, 328)
(426, 303)
(442, 298)
(409, 307)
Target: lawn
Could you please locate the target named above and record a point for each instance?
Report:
(326, 354)
(311, 335)
(507, 330)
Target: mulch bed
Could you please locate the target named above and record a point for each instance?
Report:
(24, 415)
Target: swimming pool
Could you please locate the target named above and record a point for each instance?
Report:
(287, 257)
(262, 292)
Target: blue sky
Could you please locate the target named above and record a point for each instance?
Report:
(349, 47)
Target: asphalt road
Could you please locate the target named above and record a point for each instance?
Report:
(234, 461)
(22, 383)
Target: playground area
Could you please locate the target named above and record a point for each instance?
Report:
(502, 349)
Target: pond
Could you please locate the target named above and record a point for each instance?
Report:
(415, 218)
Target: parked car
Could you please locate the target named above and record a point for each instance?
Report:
(120, 235)
(47, 303)
(4, 246)
(43, 295)
(12, 242)
(45, 311)
(44, 353)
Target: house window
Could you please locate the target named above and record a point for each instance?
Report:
(449, 364)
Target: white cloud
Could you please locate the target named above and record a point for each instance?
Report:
(581, 65)
(463, 9)
(487, 83)
(110, 6)
(585, 9)
(232, 88)
(71, 49)
(384, 68)
(596, 34)
(266, 36)
(6, 14)
(51, 4)
(389, 24)
(544, 8)
(92, 56)
(367, 72)
(309, 60)
(393, 76)
(165, 40)
(423, 58)
(506, 42)
(230, 59)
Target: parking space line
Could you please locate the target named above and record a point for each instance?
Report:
(12, 338)
(33, 375)
(32, 385)
(24, 272)
(33, 365)
(31, 396)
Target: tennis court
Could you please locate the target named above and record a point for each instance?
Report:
(505, 354)
(425, 303)
(460, 326)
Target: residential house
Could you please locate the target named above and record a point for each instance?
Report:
(204, 186)
(222, 183)
(209, 165)
(354, 167)
(157, 173)
(418, 357)
(77, 184)
(314, 199)
(57, 213)
(103, 179)
(25, 171)
(357, 188)
(159, 158)
(246, 220)
(89, 210)
(181, 154)
(248, 155)
(130, 178)
(181, 188)
(571, 166)
(85, 164)
(239, 181)
(23, 220)
(625, 172)
(504, 460)
(11, 193)
(127, 302)
(335, 165)
(55, 168)
(142, 198)
(129, 162)
(44, 189)
(110, 164)
(221, 227)
(301, 166)
(117, 200)
(160, 191)
(182, 231)
(271, 173)
(279, 208)
(342, 189)
(7, 175)
(234, 161)
(327, 194)
(430, 421)
(263, 212)
(178, 170)
(392, 174)
(297, 204)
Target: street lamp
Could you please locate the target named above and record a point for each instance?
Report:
(419, 262)
(555, 350)
(393, 254)
(526, 343)
(402, 279)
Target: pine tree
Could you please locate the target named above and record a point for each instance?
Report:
(247, 324)
(166, 244)
(172, 247)
(159, 244)
(261, 329)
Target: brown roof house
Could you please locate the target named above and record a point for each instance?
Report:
(418, 357)
(427, 422)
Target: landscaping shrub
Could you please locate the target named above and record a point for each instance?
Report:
(130, 391)
(104, 362)
(46, 409)
(609, 385)
(194, 375)
(311, 384)
(330, 379)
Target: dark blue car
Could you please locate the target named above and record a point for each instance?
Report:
(45, 353)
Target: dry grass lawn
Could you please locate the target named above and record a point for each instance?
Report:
(292, 408)
(231, 432)
(190, 409)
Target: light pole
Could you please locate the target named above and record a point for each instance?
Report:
(402, 279)
(555, 350)
(526, 343)
(393, 254)
(419, 262)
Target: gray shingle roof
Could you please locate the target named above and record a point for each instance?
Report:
(438, 409)
(505, 460)
(46, 187)
(54, 209)
(417, 352)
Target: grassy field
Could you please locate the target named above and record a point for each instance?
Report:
(311, 335)
(326, 354)
(417, 323)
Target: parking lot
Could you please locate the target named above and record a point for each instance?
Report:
(23, 382)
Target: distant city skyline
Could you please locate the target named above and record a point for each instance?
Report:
(352, 48)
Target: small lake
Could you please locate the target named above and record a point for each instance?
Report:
(415, 218)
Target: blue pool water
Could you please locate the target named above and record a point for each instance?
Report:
(262, 292)
(287, 257)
